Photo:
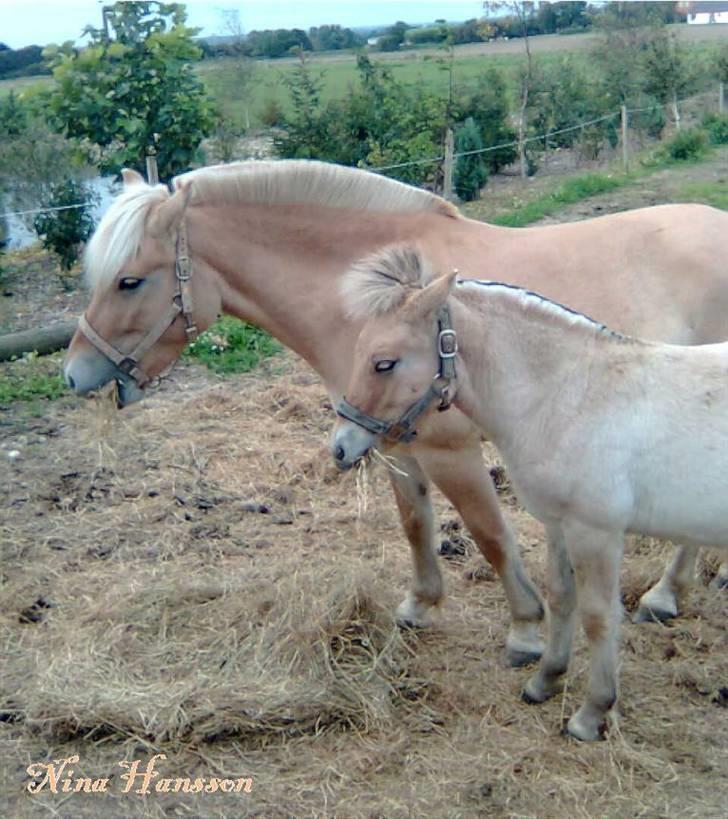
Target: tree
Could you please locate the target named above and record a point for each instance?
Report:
(244, 68)
(470, 171)
(667, 73)
(307, 130)
(126, 88)
(487, 105)
(522, 16)
(393, 37)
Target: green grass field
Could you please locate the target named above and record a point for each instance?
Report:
(425, 65)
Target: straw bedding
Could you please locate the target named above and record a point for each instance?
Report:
(191, 577)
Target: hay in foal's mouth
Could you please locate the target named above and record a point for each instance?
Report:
(170, 658)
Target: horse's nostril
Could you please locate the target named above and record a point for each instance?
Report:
(339, 453)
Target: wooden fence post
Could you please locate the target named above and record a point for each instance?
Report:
(152, 171)
(449, 163)
(625, 137)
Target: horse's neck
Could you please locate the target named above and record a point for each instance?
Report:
(522, 360)
(280, 267)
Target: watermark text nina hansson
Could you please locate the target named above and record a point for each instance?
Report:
(57, 777)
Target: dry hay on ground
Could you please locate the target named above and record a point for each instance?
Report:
(192, 577)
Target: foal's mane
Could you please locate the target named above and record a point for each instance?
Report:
(119, 234)
(381, 282)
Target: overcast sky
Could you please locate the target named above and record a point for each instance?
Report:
(25, 22)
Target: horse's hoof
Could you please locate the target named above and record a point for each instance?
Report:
(573, 728)
(651, 614)
(413, 615)
(530, 699)
(720, 581)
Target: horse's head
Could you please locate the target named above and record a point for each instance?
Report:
(403, 359)
(148, 298)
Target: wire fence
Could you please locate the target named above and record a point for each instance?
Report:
(441, 158)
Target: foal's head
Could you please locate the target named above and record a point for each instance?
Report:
(396, 355)
(130, 264)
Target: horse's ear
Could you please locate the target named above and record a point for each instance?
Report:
(165, 218)
(131, 177)
(430, 299)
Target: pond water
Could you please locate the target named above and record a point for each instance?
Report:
(19, 233)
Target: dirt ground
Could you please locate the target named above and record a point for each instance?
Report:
(191, 577)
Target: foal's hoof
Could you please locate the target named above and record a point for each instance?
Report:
(656, 606)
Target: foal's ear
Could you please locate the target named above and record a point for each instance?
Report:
(165, 218)
(131, 177)
(429, 300)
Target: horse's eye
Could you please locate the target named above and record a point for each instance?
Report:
(386, 365)
(129, 283)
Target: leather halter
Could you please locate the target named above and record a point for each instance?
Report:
(181, 304)
(403, 429)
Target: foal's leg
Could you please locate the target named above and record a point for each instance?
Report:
(561, 596)
(661, 601)
(596, 557)
(462, 477)
(412, 492)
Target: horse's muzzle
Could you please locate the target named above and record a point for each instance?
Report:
(350, 443)
(89, 371)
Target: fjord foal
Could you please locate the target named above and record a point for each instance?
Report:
(268, 242)
(597, 431)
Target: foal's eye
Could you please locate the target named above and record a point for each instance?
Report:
(386, 365)
(129, 283)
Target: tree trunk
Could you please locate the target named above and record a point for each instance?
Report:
(40, 340)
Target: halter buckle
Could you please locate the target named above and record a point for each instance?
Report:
(447, 343)
(126, 365)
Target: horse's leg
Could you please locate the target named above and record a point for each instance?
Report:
(561, 596)
(661, 601)
(412, 492)
(462, 477)
(596, 556)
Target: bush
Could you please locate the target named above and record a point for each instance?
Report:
(716, 126)
(272, 114)
(63, 231)
(690, 143)
(471, 172)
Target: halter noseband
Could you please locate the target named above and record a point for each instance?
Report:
(403, 429)
(181, 303)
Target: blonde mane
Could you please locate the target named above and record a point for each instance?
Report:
(121, 230)
(119, 234)
(379, 283)
(304, 181)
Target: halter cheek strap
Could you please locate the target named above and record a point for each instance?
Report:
(403, 429)
(181, 303)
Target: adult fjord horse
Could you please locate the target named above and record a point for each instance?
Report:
(269, 242)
